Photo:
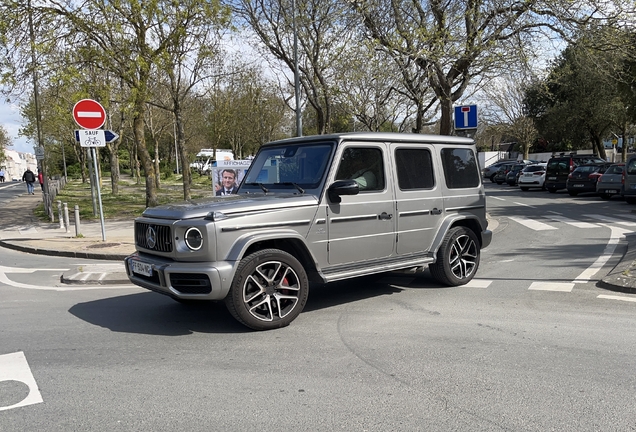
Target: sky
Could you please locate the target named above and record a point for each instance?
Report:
(11, 119)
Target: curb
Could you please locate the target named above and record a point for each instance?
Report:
(70, 254)
(622, 278)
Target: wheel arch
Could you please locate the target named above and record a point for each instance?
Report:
(290, 242)
(472, 223)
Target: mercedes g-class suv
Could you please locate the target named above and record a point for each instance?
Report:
(319, 209)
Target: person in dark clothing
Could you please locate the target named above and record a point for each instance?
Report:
(29, 178)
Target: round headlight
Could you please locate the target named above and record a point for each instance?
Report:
(193, 238)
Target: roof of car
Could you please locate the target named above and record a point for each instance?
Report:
(377, 136)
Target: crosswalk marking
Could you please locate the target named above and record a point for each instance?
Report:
(532, 224)
(615, 297)
(478, 283)
(611, 220)
(552, 286)
(572, 222)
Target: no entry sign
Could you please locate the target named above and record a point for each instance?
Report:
(89, 114)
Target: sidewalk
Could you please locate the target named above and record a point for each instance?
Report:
(22, 231)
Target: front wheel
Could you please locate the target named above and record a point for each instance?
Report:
(457, 257)
(269, 290)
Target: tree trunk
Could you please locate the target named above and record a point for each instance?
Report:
(144, 155)
(157, 168)
(446, 121)
(187, 180)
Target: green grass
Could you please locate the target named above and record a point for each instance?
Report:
(129, 203)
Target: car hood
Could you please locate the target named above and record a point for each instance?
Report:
(229, 205)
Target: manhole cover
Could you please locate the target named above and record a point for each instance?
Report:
(102, 245)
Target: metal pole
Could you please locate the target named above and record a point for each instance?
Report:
(299, 118)
(92, 177)
(99, 195)
(59, 213)
(66, 216)
(77, 221)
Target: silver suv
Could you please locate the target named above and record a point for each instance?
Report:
(319, 209)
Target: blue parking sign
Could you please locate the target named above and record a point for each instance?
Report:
(466, 117)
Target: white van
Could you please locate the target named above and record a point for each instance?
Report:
(206, 157)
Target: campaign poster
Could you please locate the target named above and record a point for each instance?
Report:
(227, 175)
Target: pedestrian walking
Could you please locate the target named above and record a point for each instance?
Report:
(29, 178)
(2, 174)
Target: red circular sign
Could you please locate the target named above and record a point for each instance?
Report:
(89, 114)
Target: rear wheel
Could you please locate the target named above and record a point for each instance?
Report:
(492, 178)
(552, 190)
(630, 200)
(572, 193)
(525, 189)
(269, 290)
(457, 257)
(605, 196)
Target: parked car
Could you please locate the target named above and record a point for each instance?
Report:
(490, 171)
(560, 167)
(584, 177)
(502, 172)
(302, 214)
(533, 176)
(629, 180)
(611, 182)
(512, 178)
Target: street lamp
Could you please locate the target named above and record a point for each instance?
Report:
(299, 119)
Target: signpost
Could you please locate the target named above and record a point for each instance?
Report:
(109, 136)
(91, 115)
(466, 117)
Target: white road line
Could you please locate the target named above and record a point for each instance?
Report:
(497, 198)
(478, 283)
(14, 367)
(532, 224)
(524, 205)
(551, 286)
(616, 234)
(611, 220)
(615, 297)
(571, 221)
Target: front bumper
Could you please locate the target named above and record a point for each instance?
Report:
(183, 280)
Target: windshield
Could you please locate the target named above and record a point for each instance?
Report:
(294, 168)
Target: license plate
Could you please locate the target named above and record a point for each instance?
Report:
(611, 191)
(527, 174)
(578, 185)
(141, 268)
(551, 178)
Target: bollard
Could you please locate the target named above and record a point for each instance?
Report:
(59, 213)
(77, 222)
(66, 216)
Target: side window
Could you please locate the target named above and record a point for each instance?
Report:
(460, 168)
(414, 169)
(631, 166)
(364, 165)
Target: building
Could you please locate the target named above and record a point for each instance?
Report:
(16, 164)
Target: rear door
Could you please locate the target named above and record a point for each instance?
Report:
(419, 200)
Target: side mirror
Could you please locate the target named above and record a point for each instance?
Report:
(342, 187)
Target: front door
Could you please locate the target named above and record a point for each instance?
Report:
(362, 227)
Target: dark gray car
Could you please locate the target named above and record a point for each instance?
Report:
(611, 182)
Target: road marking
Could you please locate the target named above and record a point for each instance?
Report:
(532, 224)
(571, 221)
(478, 283)
(497, 198)
(4, 279)
(616, 234)
(611, 220)
(615, 297)
(524, 205)
(551, 286)
(14, 367)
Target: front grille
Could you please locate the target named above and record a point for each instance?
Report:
(188, 283)
(163, 237)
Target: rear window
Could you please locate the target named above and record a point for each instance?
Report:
(460, 168)
(534, 168)
(559, 164)
(588, 168)
(615, 169)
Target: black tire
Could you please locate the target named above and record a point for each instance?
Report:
(552, 190)
(525, 189)
(499, 183)
(492, 178)
(269, 290)
(572, 193)
(605, 196)
(630, 200)
(457, 258)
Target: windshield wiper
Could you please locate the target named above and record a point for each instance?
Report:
(301, 190)
(259, 185)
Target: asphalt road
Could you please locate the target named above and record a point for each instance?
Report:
(532, 344)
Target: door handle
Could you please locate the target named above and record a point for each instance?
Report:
(436, 211)
(385, 216)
